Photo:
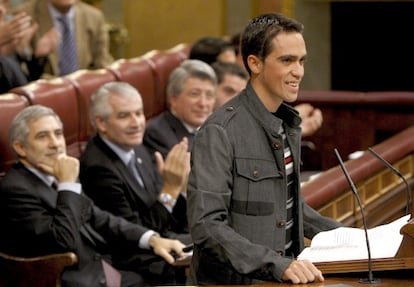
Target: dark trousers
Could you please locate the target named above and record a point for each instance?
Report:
(132, 279)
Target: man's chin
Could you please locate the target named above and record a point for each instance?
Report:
(131, 144)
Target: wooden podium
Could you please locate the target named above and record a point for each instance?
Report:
(404, 259)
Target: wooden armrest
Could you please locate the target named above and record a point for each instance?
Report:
(406, 248)
(34, 271)
(183, 262)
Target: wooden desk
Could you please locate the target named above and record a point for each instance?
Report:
(347, 282)
(337, 282)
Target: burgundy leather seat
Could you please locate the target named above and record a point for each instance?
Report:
(163, 63)
(10, 105)
(60, 95)
(138, 73)
(86, 82)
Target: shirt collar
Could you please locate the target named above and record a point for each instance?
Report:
(46, 178)
(124, 155)
(191, 129)
(56, 14)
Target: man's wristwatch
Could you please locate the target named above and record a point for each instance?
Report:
(167, 200)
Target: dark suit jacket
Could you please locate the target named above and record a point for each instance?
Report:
(165, 131)
(107, 180)
(37, 220)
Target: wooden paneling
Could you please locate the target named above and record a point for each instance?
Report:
(160, 24)
(383, 197)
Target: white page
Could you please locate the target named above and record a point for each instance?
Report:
(347, 243)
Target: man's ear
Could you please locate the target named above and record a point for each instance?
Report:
(172, 100)
(19, 148)
(254, 63)
(100, 124)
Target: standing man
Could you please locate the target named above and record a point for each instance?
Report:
(121, 177)
(42, 210)
(84, 41)
(246, 215)
(232, 79)
(191, 95)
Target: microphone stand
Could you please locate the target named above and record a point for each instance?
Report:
(398, 173)
(370, 279)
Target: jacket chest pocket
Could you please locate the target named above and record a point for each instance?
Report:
(255, 186)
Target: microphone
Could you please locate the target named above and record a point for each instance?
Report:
(398, 173)
(370, 279)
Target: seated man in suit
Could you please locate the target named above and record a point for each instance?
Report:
(191, 94)
(39, 218)
(141, 193)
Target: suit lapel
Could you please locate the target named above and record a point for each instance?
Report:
(126, 176)
(49, 196)
(133, 183)
(179, 129)
(81, 39)
(45, 192)
(145, 169)
(44, 17)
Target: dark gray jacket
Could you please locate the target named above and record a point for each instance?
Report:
(237, 194)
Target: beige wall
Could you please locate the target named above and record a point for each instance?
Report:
(315, 15)
(161, 24)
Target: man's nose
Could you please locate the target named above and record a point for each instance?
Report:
(298, 70)
(54, 140)
(205, 99)
(136, 119)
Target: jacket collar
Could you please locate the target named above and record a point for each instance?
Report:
(271, 122)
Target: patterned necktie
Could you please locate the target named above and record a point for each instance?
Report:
(134, 170)
(68, 59)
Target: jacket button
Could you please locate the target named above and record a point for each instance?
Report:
(102, 281)
(280, 252)
(255, 173)
(277, 145)
(229, 109)
(281, 223)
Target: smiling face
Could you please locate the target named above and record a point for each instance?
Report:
(125, 125)
(45, 142)
(195, 102)
(277, 77)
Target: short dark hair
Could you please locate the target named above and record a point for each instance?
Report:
(257, 37)
(207, 49)
(224, 68)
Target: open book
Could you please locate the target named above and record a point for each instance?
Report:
(347, 243)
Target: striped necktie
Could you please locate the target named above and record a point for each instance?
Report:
(132, 166)
(68, 59)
